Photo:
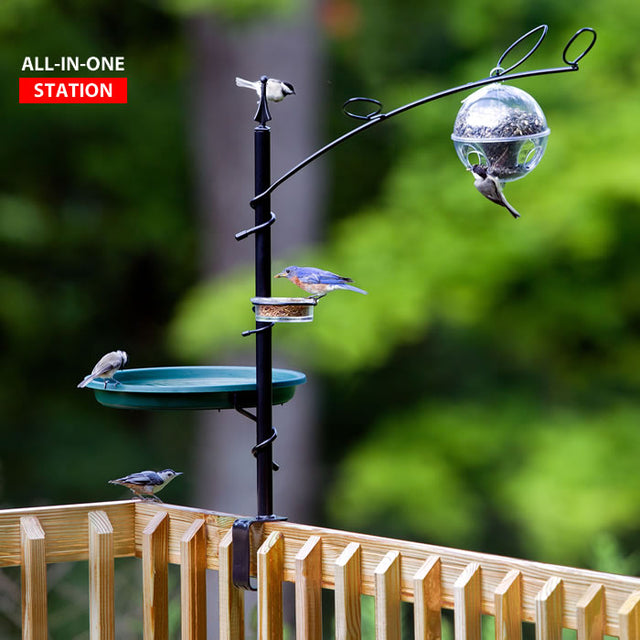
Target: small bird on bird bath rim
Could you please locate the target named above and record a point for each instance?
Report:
(106, 367)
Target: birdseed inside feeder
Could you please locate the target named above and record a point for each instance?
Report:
(502, 128)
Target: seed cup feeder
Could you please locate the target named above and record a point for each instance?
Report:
(284, 309)
(499, 126)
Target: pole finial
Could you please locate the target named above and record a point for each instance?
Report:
(263, 114)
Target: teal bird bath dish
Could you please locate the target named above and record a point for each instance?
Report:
(215, 387)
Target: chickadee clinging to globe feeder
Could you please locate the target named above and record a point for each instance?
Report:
(106, 367)
(277, 90)
(145, 484)
(489, 186)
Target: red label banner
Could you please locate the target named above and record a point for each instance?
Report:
(72, 90)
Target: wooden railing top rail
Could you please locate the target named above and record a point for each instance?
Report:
(492, 579)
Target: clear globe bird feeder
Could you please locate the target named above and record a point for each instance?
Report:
(502, 128)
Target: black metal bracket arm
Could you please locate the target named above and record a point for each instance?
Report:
(241, 538)
(267, 325)
(241, 235)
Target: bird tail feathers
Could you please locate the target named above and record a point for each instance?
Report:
(247, 84)
(351, 288)
(86, 381)
(512, 211)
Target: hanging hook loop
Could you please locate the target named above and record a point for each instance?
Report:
(574, 63)
(543, 28)
(367, 116)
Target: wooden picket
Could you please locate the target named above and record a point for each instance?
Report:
(230, 598)
(309, 590)
(387, 611)
(467, 601)
(549, 607)
(508, 601)
(591, 614)
(101, 570)
(629, 617)
(347, 593)
(193, 588)
(34, 580)
(270, 565)
(427, 617)
(155, 577)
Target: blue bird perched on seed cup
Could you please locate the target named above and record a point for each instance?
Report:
(317, 282)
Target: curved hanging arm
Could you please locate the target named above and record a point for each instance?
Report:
(377, 116)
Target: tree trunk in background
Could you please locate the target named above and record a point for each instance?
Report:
(222, 143)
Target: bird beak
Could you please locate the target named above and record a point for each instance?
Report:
(179, 473)
(282, 274)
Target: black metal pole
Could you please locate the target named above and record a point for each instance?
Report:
(264, 422)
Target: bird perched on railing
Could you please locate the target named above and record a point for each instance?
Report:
(106, 367)
(277, 90)
(317, 282)
(145, 484)
(489, 186)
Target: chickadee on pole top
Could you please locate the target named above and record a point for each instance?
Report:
(489, 186)
(106, 367)
(277, 90)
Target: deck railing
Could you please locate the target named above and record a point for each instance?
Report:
(432, 578)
